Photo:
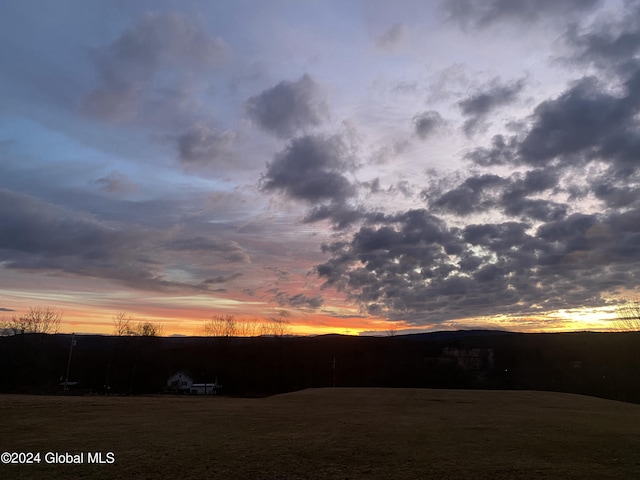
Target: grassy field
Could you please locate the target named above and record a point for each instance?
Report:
(328, 433)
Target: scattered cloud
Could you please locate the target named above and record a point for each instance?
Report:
(299, 300)
(392, 37)
(312, 168)
(131, 66)
(205, 146)
(479, 105)
(484, 13)
(427, 123)
(606, 43)
(289, 107)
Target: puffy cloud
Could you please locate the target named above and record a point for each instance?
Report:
(341, 214)
(128, 67)
(478, 106)
(203, 145)
(535, 209)
(473, 195)
(617, 193)
(427, 123)
(514, 201)
(559, 231)
(312, 168)
(586, 123)
(289, 107)
(509, 195)
(583, 120)
(608, 43)
(502, 151)
(413, 266)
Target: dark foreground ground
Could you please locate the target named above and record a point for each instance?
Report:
(605, 365)
(327, 433)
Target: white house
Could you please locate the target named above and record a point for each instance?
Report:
(183, 382)
(180, 381)
(203, 388)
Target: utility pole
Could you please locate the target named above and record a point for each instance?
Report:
(334, 371)
(66, 380)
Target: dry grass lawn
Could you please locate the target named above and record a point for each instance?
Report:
(329, 433)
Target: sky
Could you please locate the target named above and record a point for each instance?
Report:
(349, 166)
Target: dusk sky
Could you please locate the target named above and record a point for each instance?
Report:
(351, 166)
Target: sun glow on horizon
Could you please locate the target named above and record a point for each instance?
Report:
(191, 323)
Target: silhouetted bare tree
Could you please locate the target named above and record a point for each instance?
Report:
(122, 324)
(37, 320)
(246, 328)
(148, 329)
(628, 316)
(275, 327)
(220, 326)
(230, 326)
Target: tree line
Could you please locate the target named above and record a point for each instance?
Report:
(230, 326)
(47, 320)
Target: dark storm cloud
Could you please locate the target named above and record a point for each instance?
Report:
(607, 43)
(127, 67)
(413, 266)
(289, 107)
(340, 214)
(514, 200)
(483, 13)
(478, 106)
(583, 124)
(584, 121)
(582, 144)
(538, 181)
(473, 195)
(502, 151)
(427, 123)
(508, 195)
(312, 168)
(616, 194)
(534, 209)
(203, 145)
